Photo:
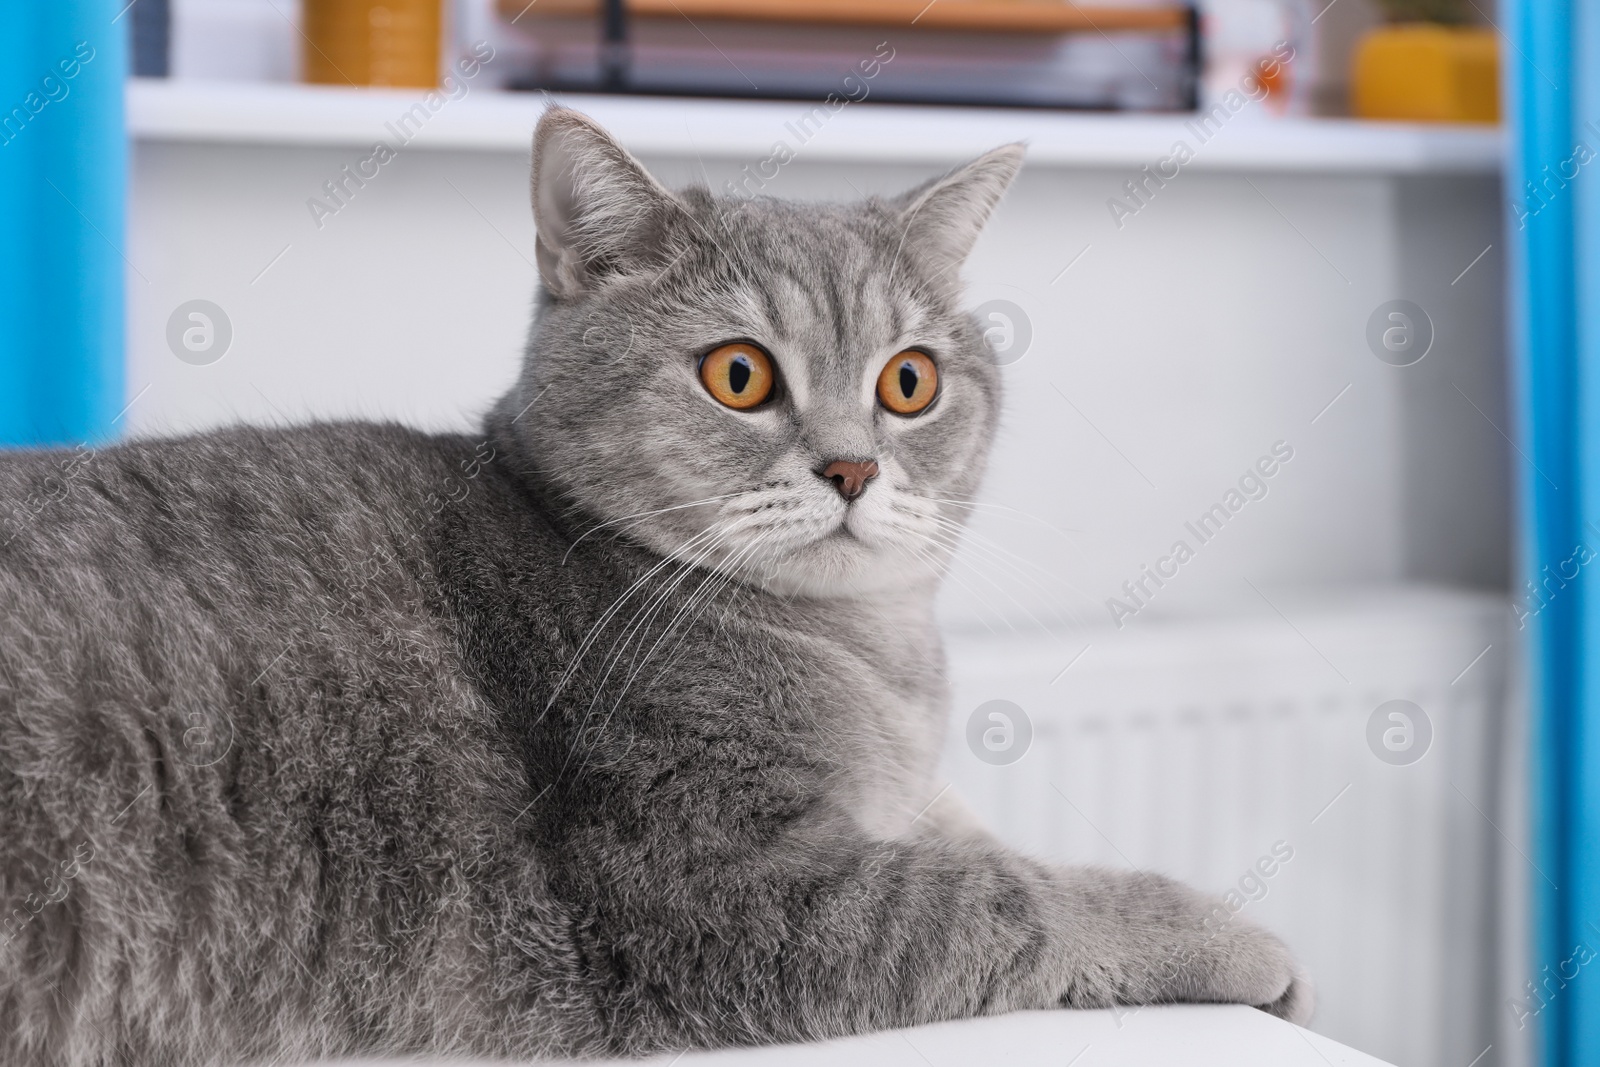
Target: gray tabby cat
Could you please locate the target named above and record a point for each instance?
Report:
(608, 731)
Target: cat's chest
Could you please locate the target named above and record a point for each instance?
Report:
(844, 701)
(881, 707)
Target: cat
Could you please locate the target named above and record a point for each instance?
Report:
(611, 729)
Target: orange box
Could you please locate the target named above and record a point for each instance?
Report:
(372, 42)
(1427, 73)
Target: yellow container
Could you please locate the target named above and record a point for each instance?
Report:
(1427, 73)
(372, 42)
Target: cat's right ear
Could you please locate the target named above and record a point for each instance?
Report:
(942, 218)
(596, 210)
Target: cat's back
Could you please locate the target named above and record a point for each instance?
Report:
(240, 578)
(145, 574)
(236, 742)
(217, 531)
(215, 495)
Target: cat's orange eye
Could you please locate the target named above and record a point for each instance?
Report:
(908, 382)
(738, 375)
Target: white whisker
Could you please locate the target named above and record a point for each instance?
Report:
(616, 605)
(714, 581)
(928, 557)
(641, 515)
(952, 547)
(1019, 565)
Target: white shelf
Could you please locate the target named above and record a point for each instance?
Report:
(490, 120)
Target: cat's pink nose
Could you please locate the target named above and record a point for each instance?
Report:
(850, 476)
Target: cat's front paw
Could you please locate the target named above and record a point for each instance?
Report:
(1297, 1002)
(1248, 965)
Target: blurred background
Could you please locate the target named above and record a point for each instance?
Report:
(1278, 582)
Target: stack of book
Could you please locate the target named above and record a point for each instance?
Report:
(1020, 53)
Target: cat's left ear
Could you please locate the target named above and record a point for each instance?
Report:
(943, 217)
(596, 210)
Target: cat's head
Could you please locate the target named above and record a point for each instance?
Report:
(791, 392)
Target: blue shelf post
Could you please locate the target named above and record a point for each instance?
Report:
(63, 179)
(1552, 88)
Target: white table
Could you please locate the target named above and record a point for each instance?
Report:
(1174, 1036)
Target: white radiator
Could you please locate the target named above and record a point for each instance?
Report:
(1202, 747)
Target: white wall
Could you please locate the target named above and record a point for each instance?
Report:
(1222, 318)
